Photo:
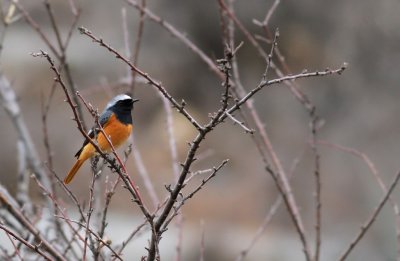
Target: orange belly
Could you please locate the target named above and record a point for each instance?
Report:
(116, 131)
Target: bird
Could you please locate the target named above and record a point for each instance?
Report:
(116, 120)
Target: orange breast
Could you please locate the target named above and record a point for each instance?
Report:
(117, 132)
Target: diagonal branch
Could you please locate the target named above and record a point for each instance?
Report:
(129, 185)
(158, 85)
(26, 243)
(368, 223)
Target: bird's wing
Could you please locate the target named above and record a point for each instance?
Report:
(103, 119)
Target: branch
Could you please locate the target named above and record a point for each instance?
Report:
(8, 100)
(105, 243)
(158, 85)
(26, 243)
(197, 189)
(8, 203)
(377, 177)
(181, 36)
(368, 223)
(124, 174)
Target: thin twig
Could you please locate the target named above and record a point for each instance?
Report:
(241, 124)
(175, 169)
(34, 248)
(136, 49)
(377, 177)
(90, 210)
(131, 236)
(142, 170)
(202, 241)
(317, 173)
(60, 54)
(60, 210)
(23, 179)
(24, 221)
(105, 243)
(123, 174)
(181, 36)
(8, 100)
(36, 27)
(270, 214)
(368, 223)
(158, 85)
(191, 194)
(269, 14)
(17, 252)
(280, 80)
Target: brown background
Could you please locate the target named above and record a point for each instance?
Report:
(360, 109)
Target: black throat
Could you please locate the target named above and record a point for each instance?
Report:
(122, 111)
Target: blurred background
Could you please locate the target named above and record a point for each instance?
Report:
(360, 109)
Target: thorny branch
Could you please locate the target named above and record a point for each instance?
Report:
(217, 118)
(231, 102)
(158, 85)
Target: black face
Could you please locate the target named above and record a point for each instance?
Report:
(125, 105)
(122, 110)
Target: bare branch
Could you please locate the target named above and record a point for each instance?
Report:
(26, 243)
(368, 223)
(142, 170)
(271, 11)
(191, 194)
(105, 243)
(176, 34)
(158, 85)
(9, 204)
(8, 100)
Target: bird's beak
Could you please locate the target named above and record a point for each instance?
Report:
(135, 100)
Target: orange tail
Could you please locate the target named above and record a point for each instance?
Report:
(73, 171)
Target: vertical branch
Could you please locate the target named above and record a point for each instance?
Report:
(131, 186)
(97, 208)
(131, 76)
(60, 50)
(53, 23)
(8, 100)
(202, 241)
(60, 229)
(317, 173)
(175, 169)
(90, 210)
(177, 34)
(138, 42)
(142, 170)
(127, 45)
(269, 14)
(171, 137)
(268, 217)
(119, 169)
(377, 177)
(46, 140)
(108, 196)
(6, 19)
(292, 205)
(23, 179)
(12, 207)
